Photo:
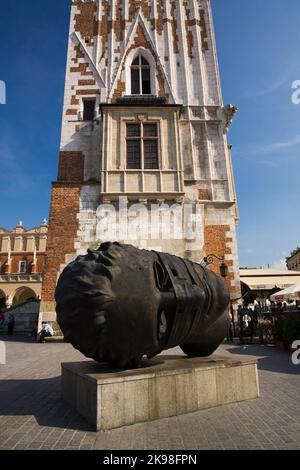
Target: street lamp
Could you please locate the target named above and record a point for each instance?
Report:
(209, 259)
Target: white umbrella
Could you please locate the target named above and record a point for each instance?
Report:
(291, 293)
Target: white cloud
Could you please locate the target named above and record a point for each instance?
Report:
(282, 145)
(280, 264)
(273, 147)
(270, 88)
(283, 79)
(269, 163)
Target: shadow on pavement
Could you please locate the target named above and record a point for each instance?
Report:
(39, 398)
(17, 338)
(268, 357)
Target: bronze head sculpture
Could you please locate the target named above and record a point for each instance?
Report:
(118, 303)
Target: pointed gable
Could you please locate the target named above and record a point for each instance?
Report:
(139, 38)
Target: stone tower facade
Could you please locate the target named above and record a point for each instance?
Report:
(144, 129)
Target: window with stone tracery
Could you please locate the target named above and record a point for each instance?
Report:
(142, 146)
(140, 76)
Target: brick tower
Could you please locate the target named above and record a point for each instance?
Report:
(144, 120)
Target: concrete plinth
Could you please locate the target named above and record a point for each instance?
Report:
(168, 386)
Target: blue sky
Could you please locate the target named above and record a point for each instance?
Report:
(258, 49)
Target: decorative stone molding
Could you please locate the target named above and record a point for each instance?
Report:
(229, 112)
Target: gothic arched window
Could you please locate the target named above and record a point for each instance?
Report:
(140, 76)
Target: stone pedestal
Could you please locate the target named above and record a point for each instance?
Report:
(166, 386)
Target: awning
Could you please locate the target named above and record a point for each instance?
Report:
(258, 283)
(291, 293)
(268, 279)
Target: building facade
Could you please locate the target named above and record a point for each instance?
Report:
(293, 261)
(144, 138)
(22, 259)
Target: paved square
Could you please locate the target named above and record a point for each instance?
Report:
(33, 416)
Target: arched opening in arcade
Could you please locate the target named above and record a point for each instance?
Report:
(22, 295)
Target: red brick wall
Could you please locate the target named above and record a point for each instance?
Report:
(16, 258)
(71, 167)
(216, 242)
(40, 263)
(63, 226)
(85, 21)
(204, 194)
(3, 261)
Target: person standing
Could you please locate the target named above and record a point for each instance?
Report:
(2, 319)
(11, 324)
(229, 335)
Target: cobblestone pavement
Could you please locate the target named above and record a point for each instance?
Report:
(33, 416)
